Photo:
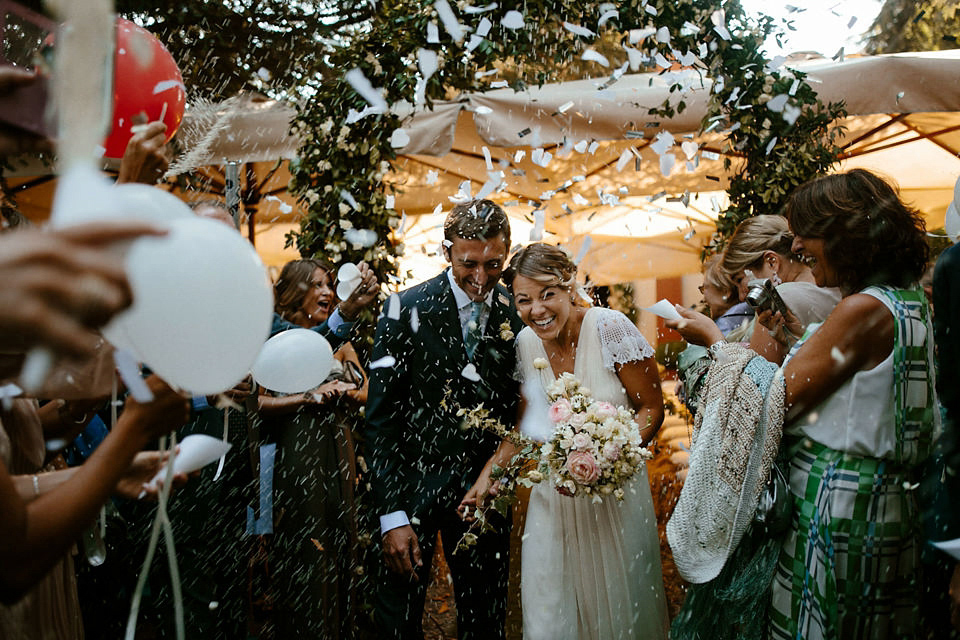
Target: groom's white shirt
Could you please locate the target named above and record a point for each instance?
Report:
(399, 518)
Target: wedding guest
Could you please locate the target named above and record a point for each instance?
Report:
(860, 413)
(314, 550)
(722, 297)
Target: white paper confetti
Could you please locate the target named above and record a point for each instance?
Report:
(484, 9)
(624, 158)
(663, 35)
(540, 157)
(607, 16)
(667, 162)
(414, 320)
(365, 238)
(347, 197)
(595, 56)
(433, 33)
(399, 139)
(593, 147)
(449, 20)
(566, 105)
(635, 58)
(393, 307)
(363, 87)
(484, 28)
(470, 372)
(791, 113)
(662, 143)
(577, 30)
(432, 176)
(539, 220)
(638, 35)
(383, 363)
(778, 102)
(689, 148)
(512, 20)
(581, 147)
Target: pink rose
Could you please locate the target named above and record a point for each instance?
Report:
(611, 451)
(581, 441)
(605, 410)
(583, 467)
(560, 410)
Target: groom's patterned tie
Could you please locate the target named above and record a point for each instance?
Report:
(474, 331)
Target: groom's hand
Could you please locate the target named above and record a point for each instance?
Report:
(402, 551)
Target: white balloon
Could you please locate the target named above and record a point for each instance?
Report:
(951, 222)
(195, 452)
(83, 195)
(202, 305)
(143, 202)
(956, 191)
(293, 361)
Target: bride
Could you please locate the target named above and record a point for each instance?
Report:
(588, 570)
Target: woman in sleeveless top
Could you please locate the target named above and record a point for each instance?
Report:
(588, 570)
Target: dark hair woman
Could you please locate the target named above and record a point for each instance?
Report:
(315, 528)
(860, 410)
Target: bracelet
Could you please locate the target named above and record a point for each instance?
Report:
(36, 485)
(714, 350)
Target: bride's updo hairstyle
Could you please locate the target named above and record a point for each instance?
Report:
(546, 265)
(752, 238)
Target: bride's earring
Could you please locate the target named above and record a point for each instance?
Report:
(775, 279)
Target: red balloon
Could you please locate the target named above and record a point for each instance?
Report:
(146, 81)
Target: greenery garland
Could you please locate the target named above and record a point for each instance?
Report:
(340, 169)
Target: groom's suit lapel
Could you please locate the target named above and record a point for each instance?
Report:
(490, 360)
(442, 306)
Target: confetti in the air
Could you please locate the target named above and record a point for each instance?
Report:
(449, 20)
(362, 86)
(512, 20)
(577, 30)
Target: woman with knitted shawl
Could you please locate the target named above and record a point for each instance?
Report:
(858, 418)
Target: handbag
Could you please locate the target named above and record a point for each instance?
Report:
(775, 505)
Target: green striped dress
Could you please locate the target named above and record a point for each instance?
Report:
(848, 569)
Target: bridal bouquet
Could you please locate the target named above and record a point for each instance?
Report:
(595, 448)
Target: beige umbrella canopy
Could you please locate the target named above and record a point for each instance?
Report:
(587, 156)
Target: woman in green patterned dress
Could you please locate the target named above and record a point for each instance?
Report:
(860, 416)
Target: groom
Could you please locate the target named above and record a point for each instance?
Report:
(452, 339)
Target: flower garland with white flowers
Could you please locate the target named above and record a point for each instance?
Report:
(777, 132)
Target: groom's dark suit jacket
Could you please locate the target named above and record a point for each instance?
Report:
(421, 460)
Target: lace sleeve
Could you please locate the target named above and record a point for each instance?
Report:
(620, 340)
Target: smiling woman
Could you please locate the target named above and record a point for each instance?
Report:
(315, 557)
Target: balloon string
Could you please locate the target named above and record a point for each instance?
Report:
(226, 434)
(163, 520)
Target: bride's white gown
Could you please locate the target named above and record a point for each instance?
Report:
(592, 571)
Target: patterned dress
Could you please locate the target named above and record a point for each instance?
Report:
(848, 568)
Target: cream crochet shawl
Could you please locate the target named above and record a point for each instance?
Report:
(736, 435)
